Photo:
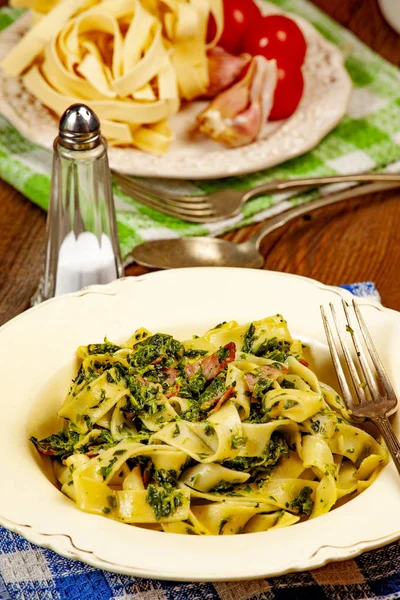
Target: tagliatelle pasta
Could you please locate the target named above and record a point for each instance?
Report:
(132, 61)
(227, 433)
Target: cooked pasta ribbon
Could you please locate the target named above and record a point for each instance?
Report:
(227, 433)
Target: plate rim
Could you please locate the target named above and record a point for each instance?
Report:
(67, 548)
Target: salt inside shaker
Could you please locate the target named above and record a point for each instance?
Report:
(82, 246)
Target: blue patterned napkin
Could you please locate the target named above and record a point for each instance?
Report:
(28, 572)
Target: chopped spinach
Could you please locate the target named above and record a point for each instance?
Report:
(144, 397)
(164, 503)
(290, 404)
(166, 478)
(105, 348)
(222, 354)
(209, 429)
(159, 346)
(215, 389)
(255, 465)
(197, 384)
(60, 445)
(303, 503)
(222, 525)
(285, 383)
(105, 471)
(317, 427)
(274, 349)
(112, 501)
(193, 353)
(248, 339)
(222, 487)
(237, 441)
(98, 441)
(261, 387)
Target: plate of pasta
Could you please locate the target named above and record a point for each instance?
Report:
(173, 102)
(140, 438)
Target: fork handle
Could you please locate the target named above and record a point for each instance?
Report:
(301, 182)
(390, 438)
(281, 219)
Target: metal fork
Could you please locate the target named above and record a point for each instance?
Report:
(375, 402)
(227, 203)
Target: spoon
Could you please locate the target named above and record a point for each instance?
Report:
(214, 252)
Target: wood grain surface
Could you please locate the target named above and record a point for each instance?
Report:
(358, 240)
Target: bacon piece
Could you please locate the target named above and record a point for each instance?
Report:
(170, 380)
(172, 391)
(224, 69)
(146, 475)
(236, 116)
(265, 372)
(219, 399)
(171, 375)
(222, 400)
(192, 368)
(251, 380)
(157, 361)
(212, 365)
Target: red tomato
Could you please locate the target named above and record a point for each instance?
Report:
(239, 16)
(276, 36)
(288, 91)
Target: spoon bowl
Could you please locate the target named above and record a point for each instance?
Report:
(196, 252)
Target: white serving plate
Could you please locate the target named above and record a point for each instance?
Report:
(325, 100)
(37, 352)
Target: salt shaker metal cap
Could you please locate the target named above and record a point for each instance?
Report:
(82, 246)
(79, 128)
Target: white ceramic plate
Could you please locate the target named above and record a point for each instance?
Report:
(327, 92)
(37, 356)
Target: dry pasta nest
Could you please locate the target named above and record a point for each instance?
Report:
(134, 60)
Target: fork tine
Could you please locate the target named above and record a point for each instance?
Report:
(374, 354)
(344, 386)
(350, 364)
(136, 184)
(368, 376)
(178, 212)
(133, 191)
(171, 212)
(179, 205)
(206, 210)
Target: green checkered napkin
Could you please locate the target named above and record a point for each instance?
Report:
(367, 138)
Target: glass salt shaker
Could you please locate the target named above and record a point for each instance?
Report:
(82, 246)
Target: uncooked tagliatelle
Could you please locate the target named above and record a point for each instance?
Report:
(223, 434)
(132, 61)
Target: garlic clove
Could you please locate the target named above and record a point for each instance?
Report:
(236, 116)
(224, 69)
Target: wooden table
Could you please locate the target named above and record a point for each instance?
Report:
(355, 241)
